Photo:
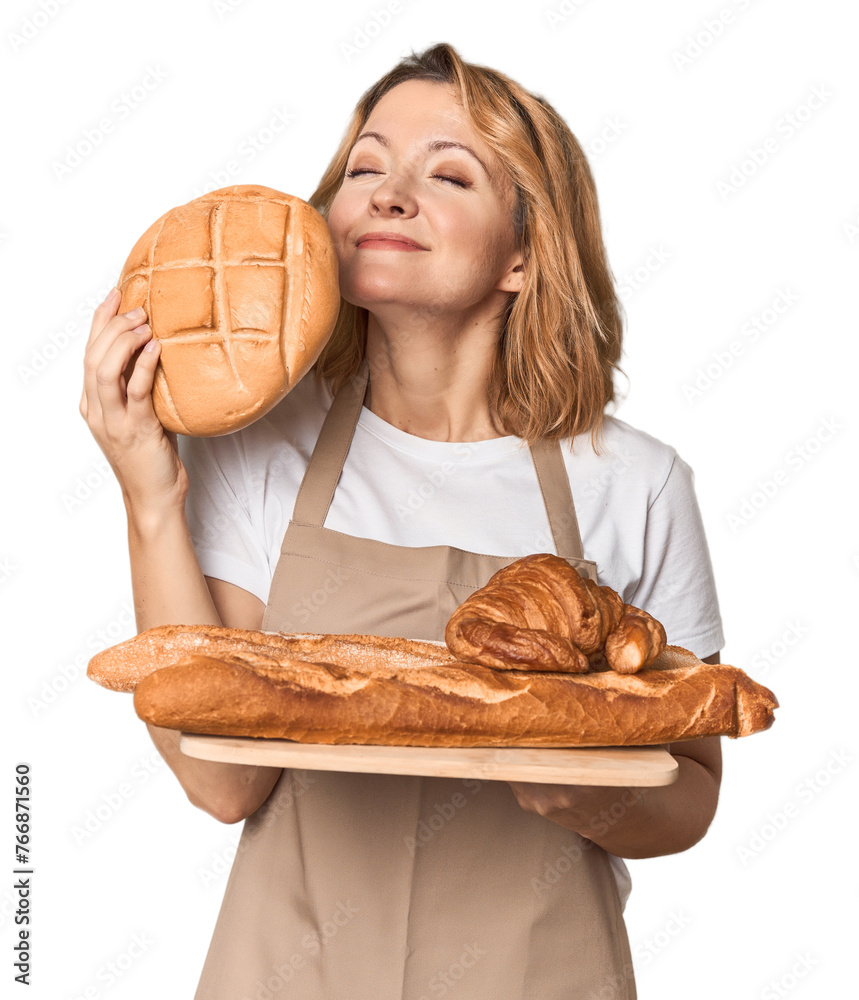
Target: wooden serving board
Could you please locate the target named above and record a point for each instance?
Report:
(620, 766)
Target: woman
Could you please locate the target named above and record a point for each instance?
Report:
(460, 398)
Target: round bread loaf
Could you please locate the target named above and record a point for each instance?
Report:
(241, 288)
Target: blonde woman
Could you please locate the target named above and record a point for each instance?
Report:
(455, 422)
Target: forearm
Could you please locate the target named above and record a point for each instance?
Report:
(229, 792)
(646, 822)
(169, 589)
(168, 585)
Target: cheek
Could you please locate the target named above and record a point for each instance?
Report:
(340, 215)
(335, 214)
(482, 249)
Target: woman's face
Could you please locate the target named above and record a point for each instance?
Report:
(455, 204)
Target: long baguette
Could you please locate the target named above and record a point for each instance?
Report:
(123, 666)
(452, 704)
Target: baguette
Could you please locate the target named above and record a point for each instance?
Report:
(426, 699)
(123, 666)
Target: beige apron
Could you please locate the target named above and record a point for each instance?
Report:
(349, 886)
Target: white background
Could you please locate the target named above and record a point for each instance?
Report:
(764, 905)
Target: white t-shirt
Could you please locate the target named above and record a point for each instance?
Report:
(636, 507)
(635, 502)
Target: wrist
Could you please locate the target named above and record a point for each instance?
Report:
(146, 522)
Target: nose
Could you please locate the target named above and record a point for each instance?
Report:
(393, 196)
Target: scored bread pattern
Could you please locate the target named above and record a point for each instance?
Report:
(225, 281)
(221, 330)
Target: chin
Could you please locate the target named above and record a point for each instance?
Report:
(367, 294)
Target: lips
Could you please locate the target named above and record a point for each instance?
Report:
(396, 241)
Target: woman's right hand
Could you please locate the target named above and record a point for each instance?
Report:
(117, 406)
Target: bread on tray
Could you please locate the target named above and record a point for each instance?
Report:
(536, 658)
(387, 691)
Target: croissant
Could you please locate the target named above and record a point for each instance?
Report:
(539, 613)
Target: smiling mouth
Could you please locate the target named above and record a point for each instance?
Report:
(382, 240)
(387, 245)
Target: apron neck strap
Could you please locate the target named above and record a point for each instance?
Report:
(557, 497)
(332, 446)
(329, 454)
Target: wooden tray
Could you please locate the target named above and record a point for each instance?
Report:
(621, 766)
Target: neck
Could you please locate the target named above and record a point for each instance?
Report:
(430, 377)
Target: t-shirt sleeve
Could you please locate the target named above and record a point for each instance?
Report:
(677, 585)
(227, 542)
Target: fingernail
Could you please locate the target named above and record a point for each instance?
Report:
(111, 294)
(153, 345)
(141, 328)
(135, 313)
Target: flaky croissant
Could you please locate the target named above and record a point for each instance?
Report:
(539, 613)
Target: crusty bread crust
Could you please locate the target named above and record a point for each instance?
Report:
(419, 703)
(240, 287)
(389, 691)
(123, 666)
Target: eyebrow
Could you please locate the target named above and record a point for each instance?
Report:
(434, 146)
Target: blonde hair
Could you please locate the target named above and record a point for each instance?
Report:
(561, 339)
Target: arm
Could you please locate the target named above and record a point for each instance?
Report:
(169, 587)
(639, 822)
(167, 582)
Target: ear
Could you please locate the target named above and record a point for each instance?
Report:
(514, 278)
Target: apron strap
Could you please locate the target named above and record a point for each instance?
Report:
(329, 454)
(557, 497)
(332, 446)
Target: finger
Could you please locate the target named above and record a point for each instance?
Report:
(108, 378)
(104, 311)
(116, 329)
(139, 392)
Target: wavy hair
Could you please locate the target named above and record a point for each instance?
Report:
(553, 373)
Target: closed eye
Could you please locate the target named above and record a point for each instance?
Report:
(441, 177)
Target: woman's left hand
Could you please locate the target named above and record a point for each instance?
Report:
(637, 822)
(582, 808)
